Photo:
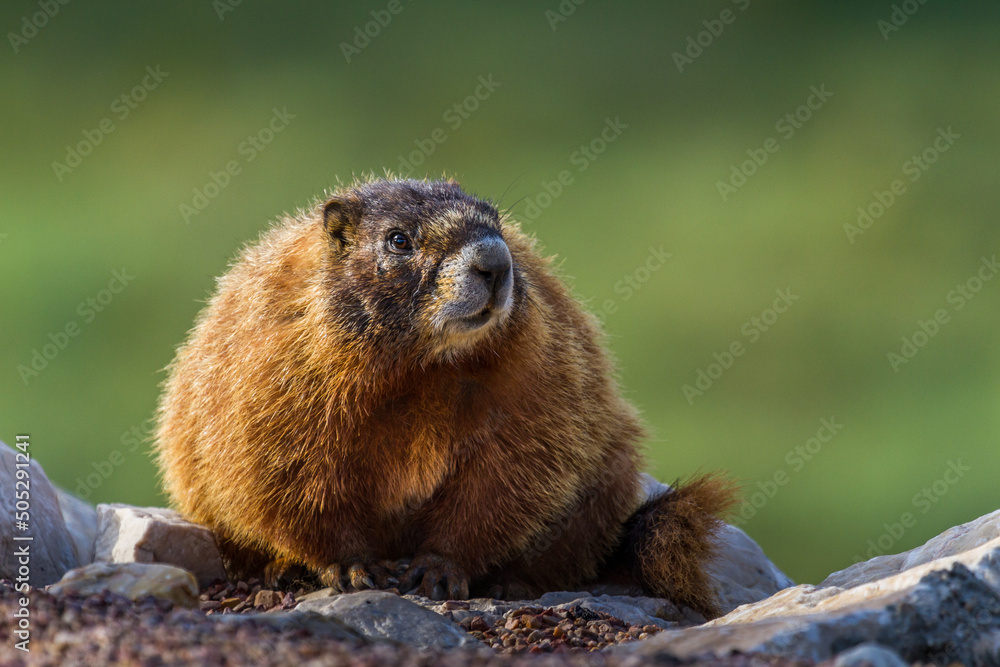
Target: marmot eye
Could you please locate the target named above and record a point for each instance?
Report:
(399, 242)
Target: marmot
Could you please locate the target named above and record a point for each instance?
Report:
(398, 373)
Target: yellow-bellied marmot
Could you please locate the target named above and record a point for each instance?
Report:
(398, 373)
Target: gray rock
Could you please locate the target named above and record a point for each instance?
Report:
(381, 614)
(632, 610)
(479, 606)
(318, 625)
(81, 521)
(986, 648)
(741, 573)
(128, 534)
(939, 611)
(51, 551)
(133, 580)
(650, 487)
(869, 655)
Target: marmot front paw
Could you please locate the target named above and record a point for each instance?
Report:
(435, 577)
(283, 573)
(358, 576)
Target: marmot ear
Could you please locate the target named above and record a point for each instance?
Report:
(340, 216)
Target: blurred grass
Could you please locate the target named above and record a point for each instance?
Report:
(655, 185)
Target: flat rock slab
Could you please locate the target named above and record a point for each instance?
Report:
(953, 541)
(378, 614)
(128, 534)
(51, 551)
(132, 580)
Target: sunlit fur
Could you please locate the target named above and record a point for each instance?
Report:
(319, 413)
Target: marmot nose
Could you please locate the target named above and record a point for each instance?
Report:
(491, 260)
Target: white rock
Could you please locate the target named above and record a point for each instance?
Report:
(133, 580)
(51, 550)
(869, 655)
(953, 541)
(128, 534)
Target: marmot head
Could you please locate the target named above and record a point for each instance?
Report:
(420, 266)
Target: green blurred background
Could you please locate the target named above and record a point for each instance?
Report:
(63, 234)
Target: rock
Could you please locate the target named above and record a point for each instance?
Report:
(316, 625)
(480, 606)
(50, 552)
(942, 610)
(381, 614)
(651, 488)
(267, 599)
(949, 543)
(869, 655)
(321, 594)
(129, 534)
(81, 521)
(741, 573)
(633, 610)
(987, 647)
(133, 580)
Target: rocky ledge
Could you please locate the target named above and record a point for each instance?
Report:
(147, 588)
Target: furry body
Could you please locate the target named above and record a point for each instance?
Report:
(341, 402)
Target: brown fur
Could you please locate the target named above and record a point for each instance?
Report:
(669, 538)
(316, 416)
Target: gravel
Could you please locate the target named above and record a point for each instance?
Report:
(109, 629)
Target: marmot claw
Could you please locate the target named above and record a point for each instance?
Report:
(358, 577)
(435, 577)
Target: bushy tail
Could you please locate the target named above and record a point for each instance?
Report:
(668, 540)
